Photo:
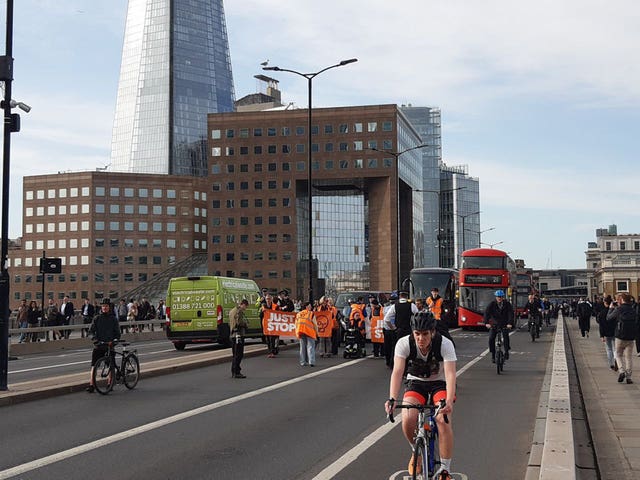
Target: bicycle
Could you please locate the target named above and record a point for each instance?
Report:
(107, 372)
(424, 446)
(500, 352)
(534, 327)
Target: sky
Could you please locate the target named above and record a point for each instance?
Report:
(540, 99)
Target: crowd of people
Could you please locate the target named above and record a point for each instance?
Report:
(58, 316)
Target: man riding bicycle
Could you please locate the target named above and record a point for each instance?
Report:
(497, 316)
(534, 307)
(104, 329)
(430, 363)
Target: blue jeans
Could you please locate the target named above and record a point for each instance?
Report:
(609, 345)
(23, 336)
(307, 350)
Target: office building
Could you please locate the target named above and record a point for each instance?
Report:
(175, 69)
(427, 121)
(112, 231)
(459, 213)
(259, 211)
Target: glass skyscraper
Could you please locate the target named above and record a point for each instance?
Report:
(175, 70)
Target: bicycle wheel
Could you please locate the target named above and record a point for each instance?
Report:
(130, 371)
(419, 460)
(499, 361)
(532, 331)
(103, 375)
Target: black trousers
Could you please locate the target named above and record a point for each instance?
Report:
(389, 346)
(272, 344)
(238, 352)
(335, 341)
(492, 341)
(585, 324)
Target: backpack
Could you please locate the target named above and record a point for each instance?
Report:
(424, 368)
(627, 325)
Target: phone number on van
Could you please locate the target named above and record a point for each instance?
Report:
(192, 306)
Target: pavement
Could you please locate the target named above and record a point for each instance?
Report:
(612, 409)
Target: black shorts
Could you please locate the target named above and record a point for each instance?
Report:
(421, 390)
(98, 353)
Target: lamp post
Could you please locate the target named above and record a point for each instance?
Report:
(491, 245)
(310, 77)
(480, 233)
(439, 235)
(396, 155)
(464, 217)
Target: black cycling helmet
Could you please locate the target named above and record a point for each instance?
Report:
(423, 321)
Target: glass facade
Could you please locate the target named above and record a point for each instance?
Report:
(175, 70)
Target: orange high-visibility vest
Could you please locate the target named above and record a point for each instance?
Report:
(304, 324)
(357, 307)
(435, 306)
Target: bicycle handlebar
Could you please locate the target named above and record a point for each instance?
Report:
(112, 343)
(436, 410)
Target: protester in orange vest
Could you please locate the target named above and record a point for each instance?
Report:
(377, 313)
(357, 322)
(325, 342)
(435, 303)
(359, 306)
(307, 333)
(272, 340)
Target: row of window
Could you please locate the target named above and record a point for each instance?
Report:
(257, 238)
(285, 148)
(73, 295)
(301, 166)
(271, 220)
(257, 256)
(113, 226)
(97, 277)
(328, 129)
(113, 192)
(622, 245)
(114, 208)
(257, 274)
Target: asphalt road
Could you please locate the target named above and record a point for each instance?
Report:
(282, 422)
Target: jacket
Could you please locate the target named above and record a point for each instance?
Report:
(105, 328)
(501, 316)
(435, 305)
(626, 321)
(606, 327)
(306, 324)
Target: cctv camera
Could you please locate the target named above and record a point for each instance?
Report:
(21, 105)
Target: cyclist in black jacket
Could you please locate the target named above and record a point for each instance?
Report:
(104, 328)
(499, 314)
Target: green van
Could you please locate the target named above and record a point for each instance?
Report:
(198, 309)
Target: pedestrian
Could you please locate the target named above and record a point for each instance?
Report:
(23, 319)
(626, 321)
(389, 332)
(268, 305)
(33, 318)
(307, 333)
(324, 343)
(88, 312)
(67, 311)
(238, 325)
(53, 319)
(607, 332)
(584, 309)
(121, 314)
(400, 315)
(132, 316)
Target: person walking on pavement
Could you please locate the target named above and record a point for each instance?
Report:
(607, 332)
(23, 319)
(584, 311)
(88, 312)
(33, 317)
(307, 333)
(67, 311)
(626, 321)
(238, 325)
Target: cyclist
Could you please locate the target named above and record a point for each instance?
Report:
(534, 307)
(430, 362)
(104, 328)
(499, 314)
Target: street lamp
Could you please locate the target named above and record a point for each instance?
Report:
(491, 245)
(396, 155)
(310, 77)
(464, 217)
(481, 232)
(439, 235)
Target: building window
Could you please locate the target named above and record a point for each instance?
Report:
(387, 126)
(372, 163)
(607, 246)
(636, 245)
(328, 129)
(344, 146)
(622, 286)
(273, 220)
(257, 132)
(623, 245)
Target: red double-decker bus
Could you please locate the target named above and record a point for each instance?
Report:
(523, 289)
(483, 271)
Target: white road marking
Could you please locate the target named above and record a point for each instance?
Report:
(87, 447)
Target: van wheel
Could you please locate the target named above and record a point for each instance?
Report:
(179, 345)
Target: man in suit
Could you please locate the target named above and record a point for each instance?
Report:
(67, 311)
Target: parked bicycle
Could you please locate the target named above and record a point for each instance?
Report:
(108, 371)
(426, 457)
